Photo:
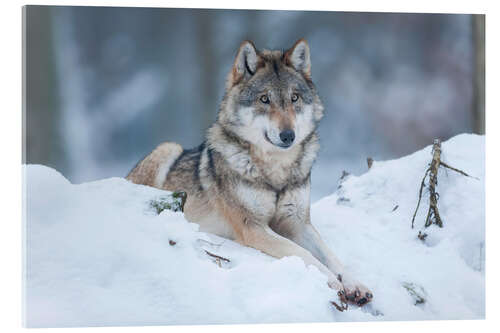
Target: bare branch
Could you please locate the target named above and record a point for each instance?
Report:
(419, 196)
(456, 170)
(342, 307)
(218, 259)
(369, 161)
(433, 216)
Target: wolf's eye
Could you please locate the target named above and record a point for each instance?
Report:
(264, 99)
(295, 98)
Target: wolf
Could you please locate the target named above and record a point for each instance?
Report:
(250, 179)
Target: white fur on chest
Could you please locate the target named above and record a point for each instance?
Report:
(276, 166)
(260, 202)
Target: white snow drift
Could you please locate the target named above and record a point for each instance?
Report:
(97, 254)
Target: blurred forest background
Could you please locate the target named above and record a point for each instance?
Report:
(104, 86)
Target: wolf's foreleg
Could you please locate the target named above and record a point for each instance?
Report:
(250, 231)
(305, 235)
(263, 238)
(292, 221)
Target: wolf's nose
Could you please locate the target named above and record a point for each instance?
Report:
(287, 137)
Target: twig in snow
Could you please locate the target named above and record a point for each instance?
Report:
(342, 297)
(342, 307)
(369, 161)
(218, 259)
(422, 236)
(416, 291)
(344, 175)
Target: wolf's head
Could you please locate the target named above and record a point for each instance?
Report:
(270, 99)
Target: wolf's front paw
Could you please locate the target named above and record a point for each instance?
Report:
(354, 292)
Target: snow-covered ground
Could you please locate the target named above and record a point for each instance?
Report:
(98, 254)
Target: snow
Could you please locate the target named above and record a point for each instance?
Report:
(97, 254)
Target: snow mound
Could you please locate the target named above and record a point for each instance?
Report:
(97, 254)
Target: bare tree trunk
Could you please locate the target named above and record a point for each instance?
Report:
(208, 63)
(478, 111)
(41, 136)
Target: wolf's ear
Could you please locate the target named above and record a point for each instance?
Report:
(299, 57)
(245, 63)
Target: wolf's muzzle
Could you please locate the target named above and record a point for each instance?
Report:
(287, 137)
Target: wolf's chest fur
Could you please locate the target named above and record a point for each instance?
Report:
(274, 170)
(277, 167)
